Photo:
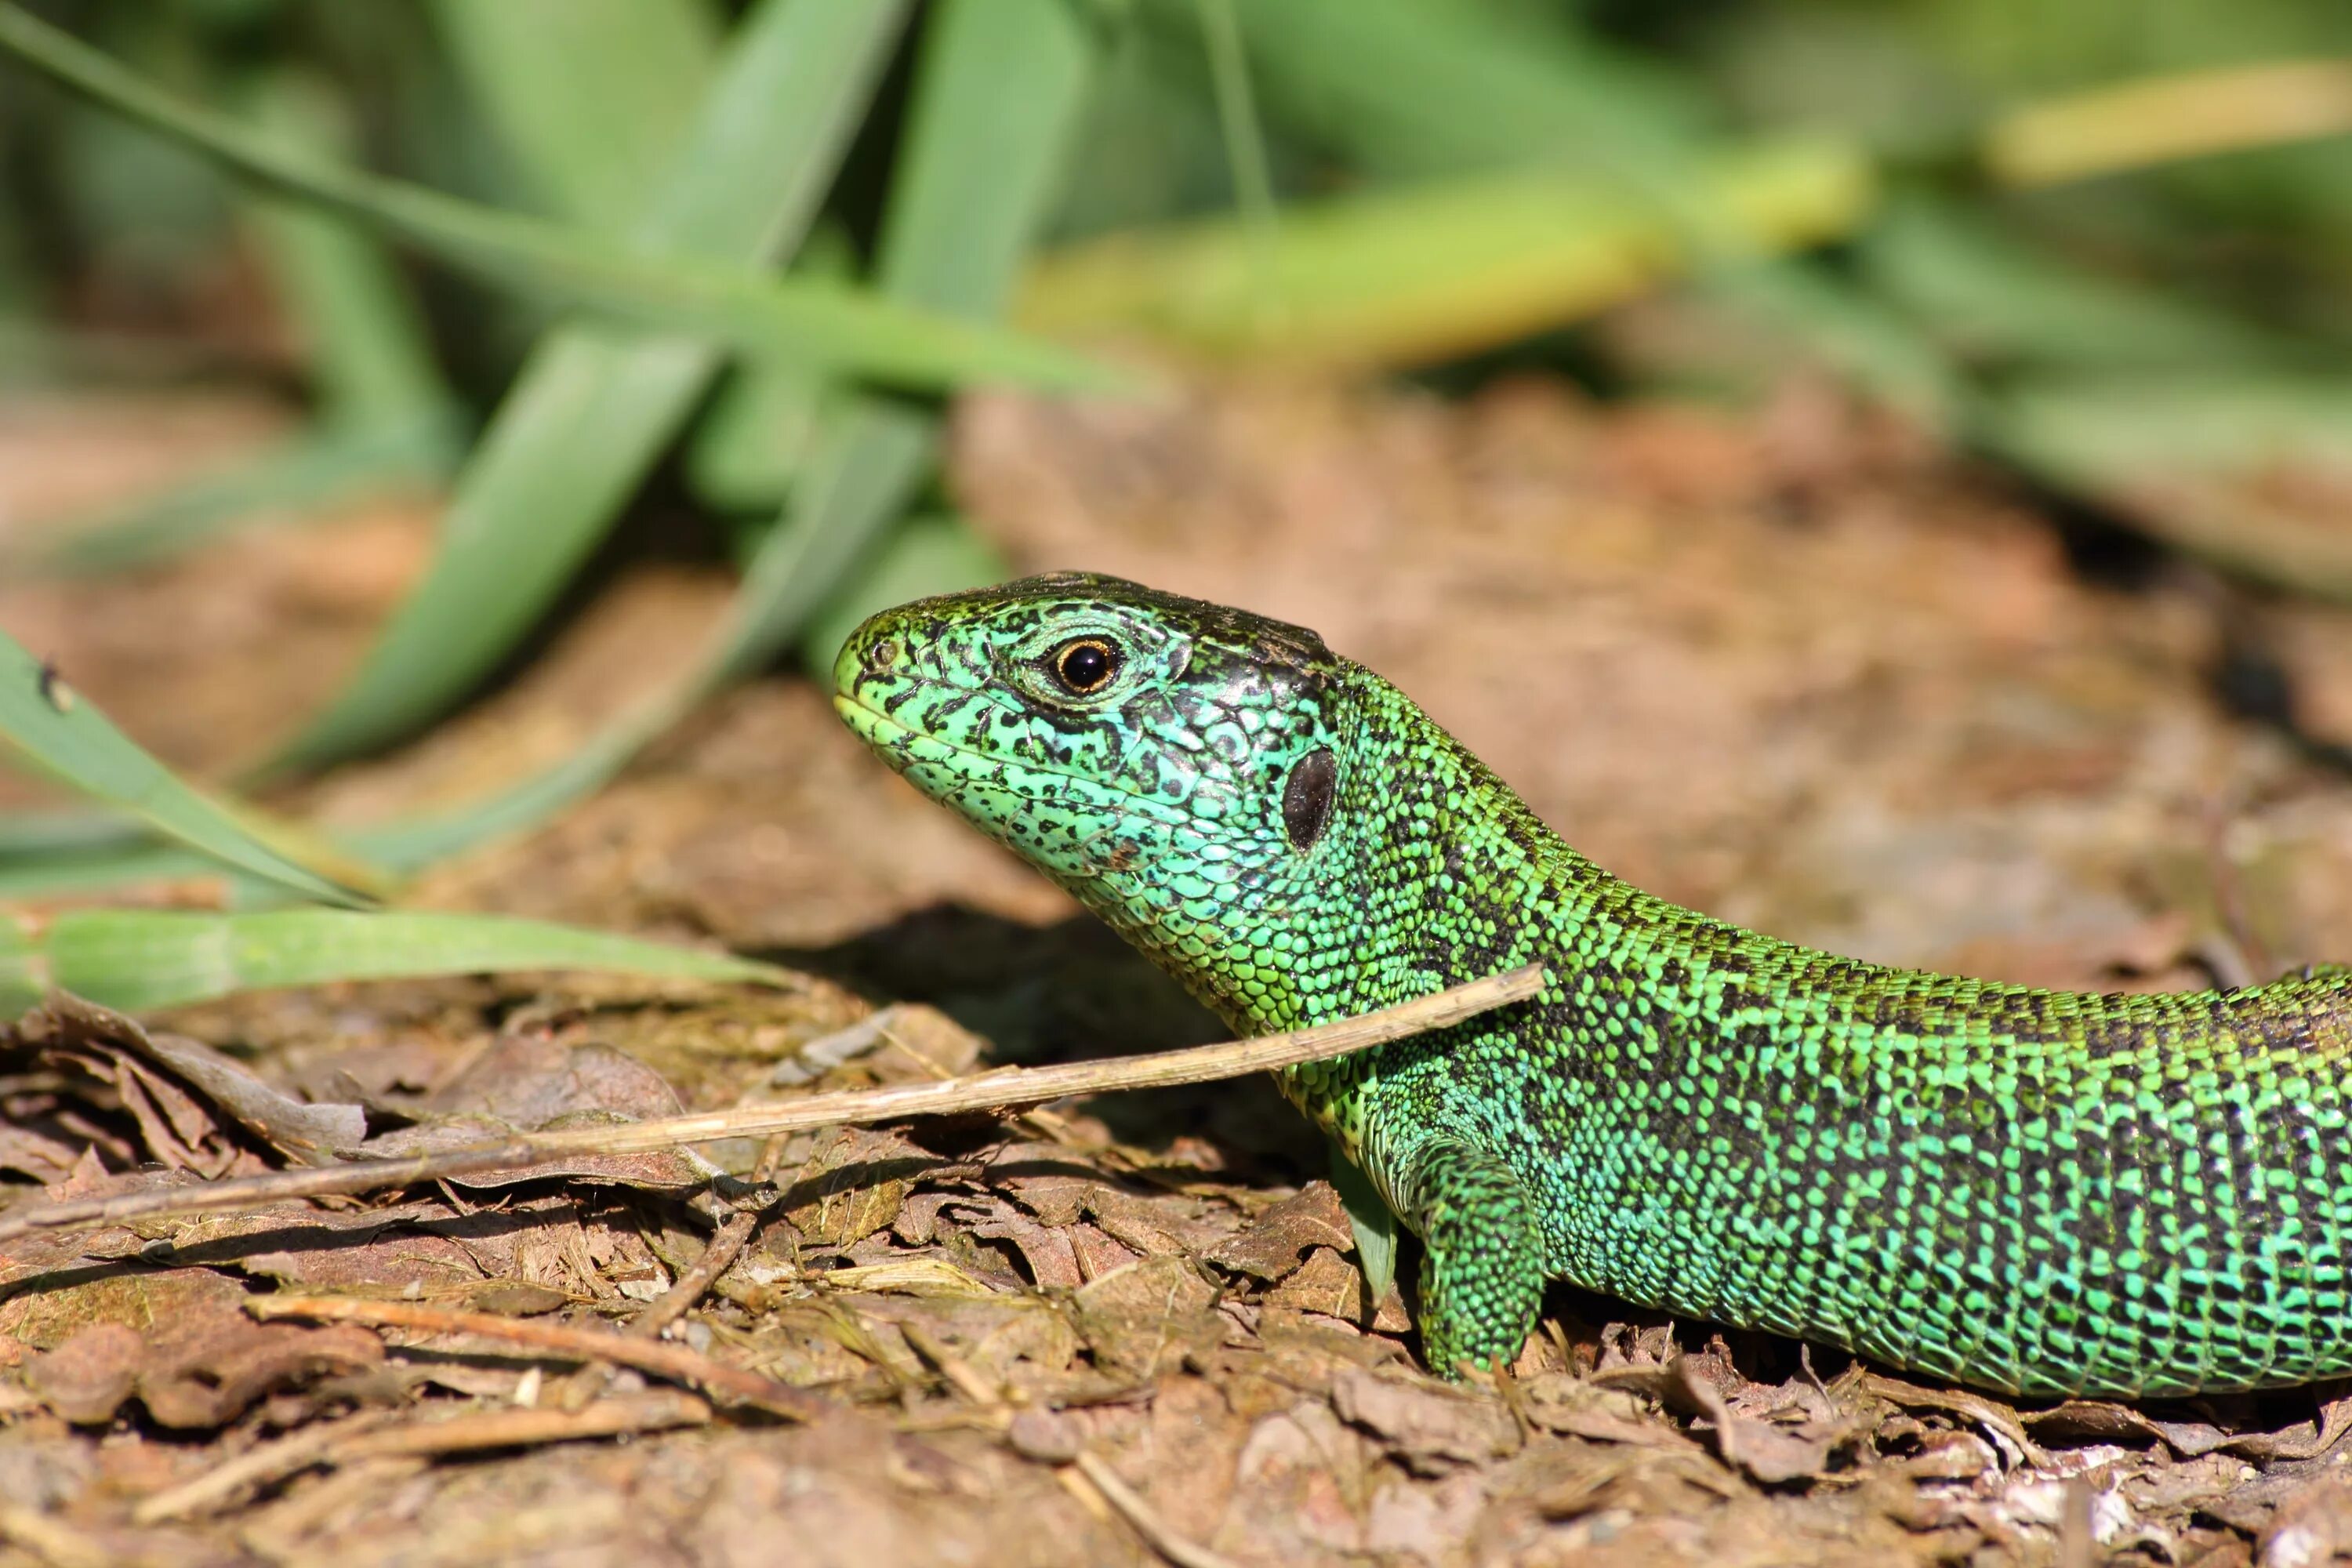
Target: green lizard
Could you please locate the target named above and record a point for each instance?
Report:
(2041, 1191)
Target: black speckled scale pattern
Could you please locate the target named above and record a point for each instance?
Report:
(2040, 1192)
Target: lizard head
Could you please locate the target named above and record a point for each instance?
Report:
(1176, 765)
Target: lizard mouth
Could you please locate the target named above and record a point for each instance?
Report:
(904, 748)
(870, 725)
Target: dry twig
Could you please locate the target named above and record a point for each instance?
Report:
(253, 1469)
(655, 1410)
(995, 1090)
(726, 1244)
(677, 1362)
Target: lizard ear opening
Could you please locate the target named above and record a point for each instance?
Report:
(1306, 798)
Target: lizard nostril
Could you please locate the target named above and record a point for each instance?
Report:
(881, 654)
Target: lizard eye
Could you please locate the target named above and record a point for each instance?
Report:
(1083, 665)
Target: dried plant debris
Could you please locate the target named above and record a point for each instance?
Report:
(1007, 1348)
(1134, 1330)
(66, 1065)
(530, 1082)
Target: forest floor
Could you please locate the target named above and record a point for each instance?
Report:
(1805, 672)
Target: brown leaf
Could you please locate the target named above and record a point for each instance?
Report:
(1993, 1415)
(919, 1217)
(1431, 1428)
(174, 1124)
(130, 1294)
(1767, 1452)
(1042, 1179)
(1162, 1226)
(1424, 1523)
(1044, 1435)
(1271, 1246)
(410, 1253)
(1326, 1283)
(1559, 1402)
(198, 1366)
(1097, 1254)
(658, 1169)
(1052, 1261)
(853, 1186)
(306, 1132)
(515, 1298)
(1292, 1482)
(1311, 1350)
(907, 1041)
(2187, 1484)
(530, 1079)
(1149, 1316)
(210, 1371)
(36, 1152)
(533, 1082)
(2303, 1440)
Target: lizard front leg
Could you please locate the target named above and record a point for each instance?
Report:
(1482, 1267)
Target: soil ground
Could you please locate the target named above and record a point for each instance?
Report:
(1805, 672)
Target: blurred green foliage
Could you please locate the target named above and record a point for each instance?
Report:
(2107, 242)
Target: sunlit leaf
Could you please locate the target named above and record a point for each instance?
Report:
(590, 413)
(996, 101)
(593, 97)
(847, 331)
(138, 958)
(1426, 272)
(64, 735)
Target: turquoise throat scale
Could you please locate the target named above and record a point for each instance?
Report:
(2041, 1191)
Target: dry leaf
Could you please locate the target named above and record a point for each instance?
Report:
(1270, 1247)
(1429, 1425)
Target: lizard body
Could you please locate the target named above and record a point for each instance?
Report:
(2041, 1191)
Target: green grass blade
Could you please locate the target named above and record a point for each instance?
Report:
(30, 878)
(593, 97)
(868, 468)
(568, 447)
(24, 972)
(2221, 464)
(996, 100)
(363, 337)
(1995, 297)
(70, 830)
(141, 959)
(762, 426)
(1369, 1218)
(1412, 87)
(1440, 268)
(756, 437)
(1237, 123)
(385, 416)
(64, 735)
(1421, 87)
(927, 554)
(846, 330)
(418, 842)
(873, 470)
(589, 415)
(1855, 334)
